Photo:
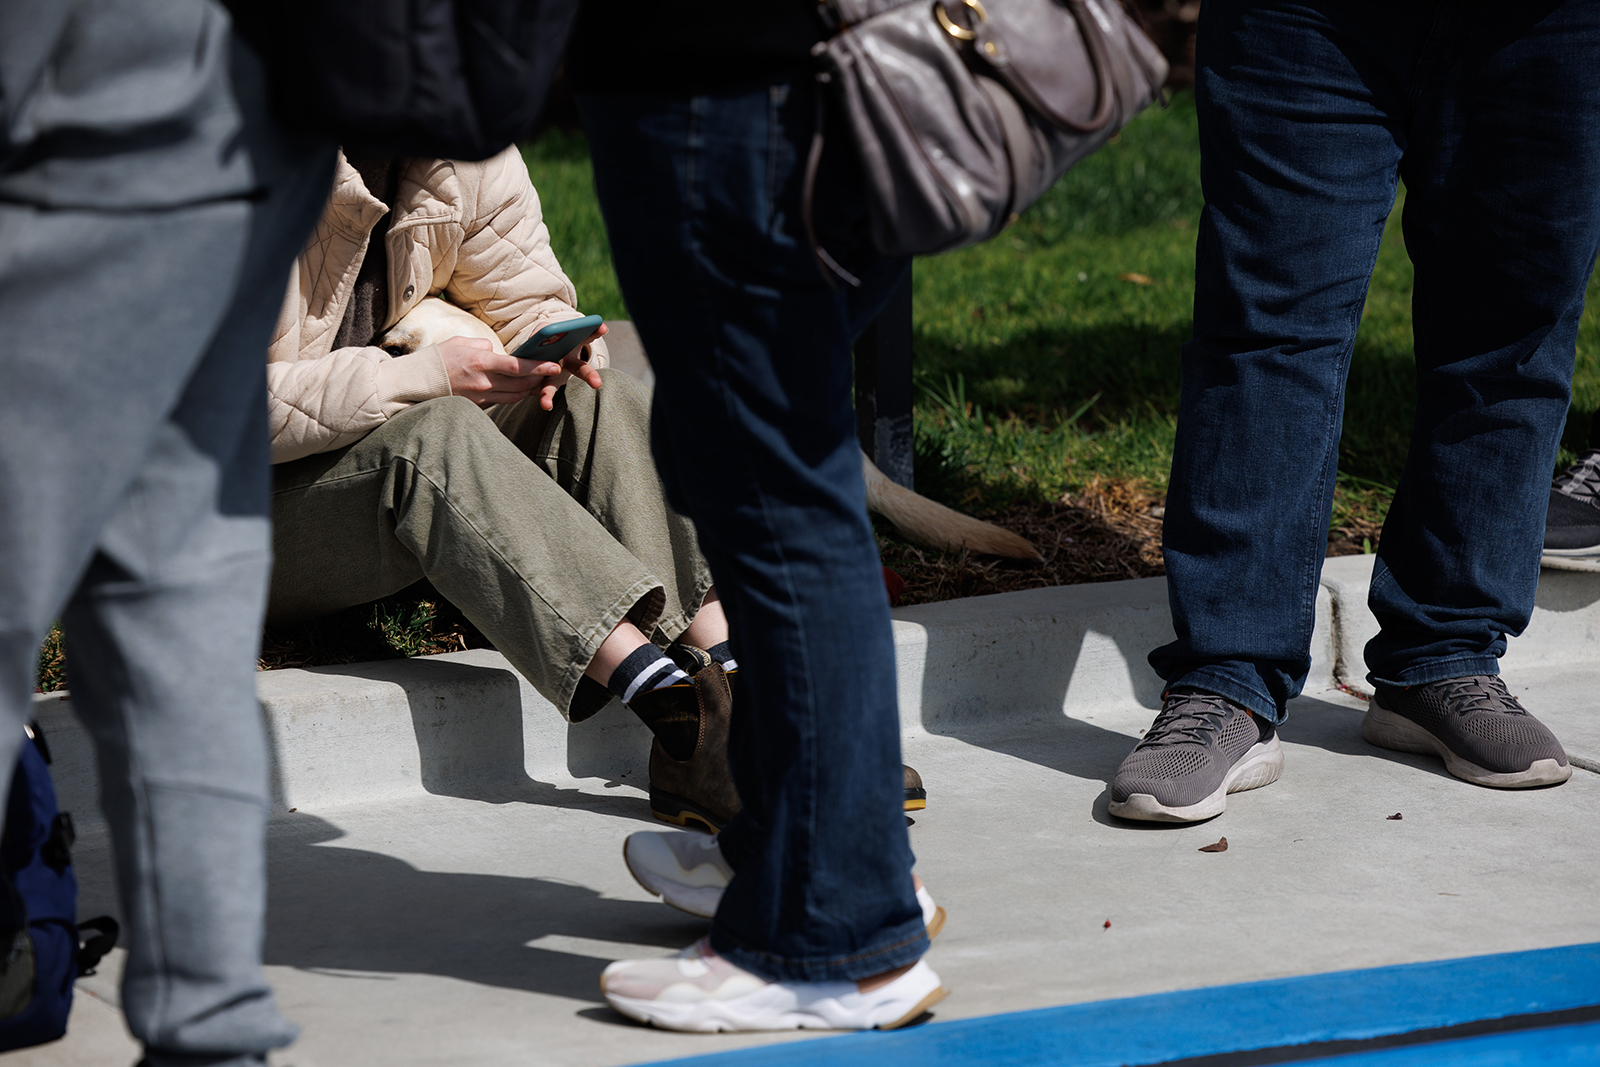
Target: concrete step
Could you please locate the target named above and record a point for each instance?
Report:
(465, 723)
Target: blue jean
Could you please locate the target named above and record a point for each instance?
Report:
(1309, 114)
(753, 433)
(133, 490)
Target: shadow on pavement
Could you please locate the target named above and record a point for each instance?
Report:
(333, 909)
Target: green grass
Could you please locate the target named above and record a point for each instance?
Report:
(1040, 369)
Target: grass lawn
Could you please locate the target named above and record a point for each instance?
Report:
(1048, 357)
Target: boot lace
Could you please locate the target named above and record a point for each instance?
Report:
(1581, 481)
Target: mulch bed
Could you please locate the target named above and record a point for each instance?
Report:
(1106, 533)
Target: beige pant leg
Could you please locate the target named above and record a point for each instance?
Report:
(596, 445)
(438, 491)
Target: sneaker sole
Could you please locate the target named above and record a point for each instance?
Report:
(1590, 552)
(1261, 765)
(679, 812)
(748, 1015)
(1390, 730)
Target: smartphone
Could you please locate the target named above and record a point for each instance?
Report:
(558, 339)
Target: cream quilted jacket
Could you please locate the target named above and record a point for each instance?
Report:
(470, 232)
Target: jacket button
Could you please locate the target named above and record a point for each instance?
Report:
(409, 293)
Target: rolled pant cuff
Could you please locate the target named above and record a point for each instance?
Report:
(1439, 671)
(672, 624)
(573, 702)
(899, 946)
(1223, 684)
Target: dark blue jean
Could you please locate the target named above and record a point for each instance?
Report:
(1309, 114)
(754, 436)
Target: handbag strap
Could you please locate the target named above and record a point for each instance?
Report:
(832, 272)
(992, 50)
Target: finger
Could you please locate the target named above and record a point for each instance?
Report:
(547, 396)
(515, 367)
(589, 375)
(513, 383)
(499, 397)
(541, 369)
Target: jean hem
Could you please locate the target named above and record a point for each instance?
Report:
(1214, 680)
(1439, 671)
(904, 944)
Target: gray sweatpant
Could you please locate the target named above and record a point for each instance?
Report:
(546, 529)
(134, 474)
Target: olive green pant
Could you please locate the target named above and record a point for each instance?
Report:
(546, 528)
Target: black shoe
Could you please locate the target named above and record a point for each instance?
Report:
(1480, 731)
(1572, 528)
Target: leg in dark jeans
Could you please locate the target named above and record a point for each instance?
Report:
(1309, 114)
(753, 434)
(1307, 118)
(1502, 219)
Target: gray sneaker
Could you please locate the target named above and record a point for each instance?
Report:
(1480, 731)
(1200, 748)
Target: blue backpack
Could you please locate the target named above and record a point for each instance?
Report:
(41, 945)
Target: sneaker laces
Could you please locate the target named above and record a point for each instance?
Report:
(1479, 693)
(1192, 716)
(1581, 481)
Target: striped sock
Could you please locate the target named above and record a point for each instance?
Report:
(722, 652)
(644, 669)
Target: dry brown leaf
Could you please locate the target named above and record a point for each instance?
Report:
(1135, 277)
(1220, 846)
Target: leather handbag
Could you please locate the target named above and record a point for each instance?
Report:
(963, 112)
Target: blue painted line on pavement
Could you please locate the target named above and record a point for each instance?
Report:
(1285, 1012)
(1552, 1047)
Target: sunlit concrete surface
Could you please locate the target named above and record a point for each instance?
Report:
(450, 885)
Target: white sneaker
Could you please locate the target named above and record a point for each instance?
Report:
(686, 869)
(699, 990)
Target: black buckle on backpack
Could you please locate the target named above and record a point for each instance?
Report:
(57, 849)
(36, 735)
(93, 949)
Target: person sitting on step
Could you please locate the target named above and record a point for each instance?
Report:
(523, 491)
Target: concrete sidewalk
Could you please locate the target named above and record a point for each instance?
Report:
(448, 884)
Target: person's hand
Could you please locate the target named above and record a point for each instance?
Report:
(486, 377)
(574, 365)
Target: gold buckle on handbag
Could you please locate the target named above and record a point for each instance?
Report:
(955, 29)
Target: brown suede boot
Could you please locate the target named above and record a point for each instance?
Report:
(916, 796)
(689, 779)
